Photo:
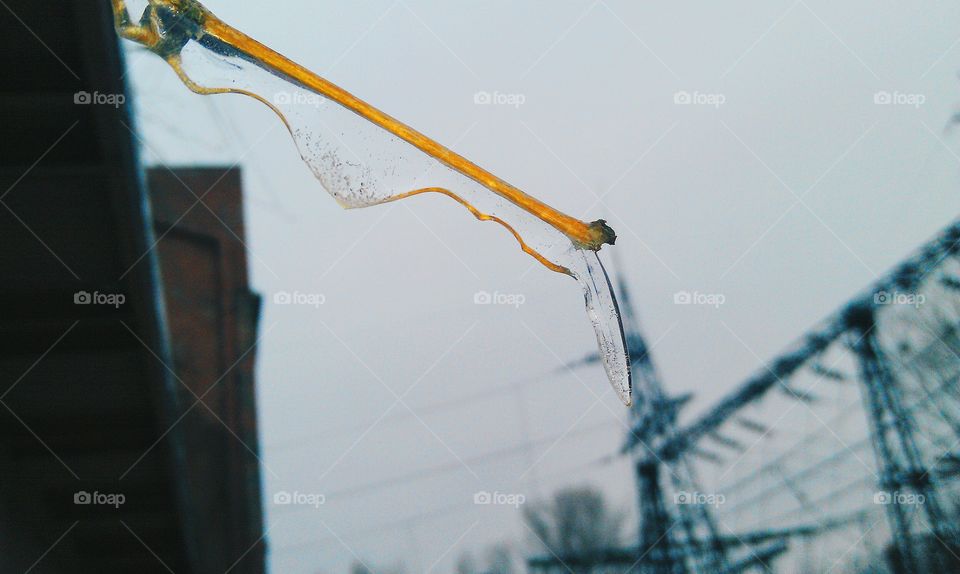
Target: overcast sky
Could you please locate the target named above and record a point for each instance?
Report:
(738, 149)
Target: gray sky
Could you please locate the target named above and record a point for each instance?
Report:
(792, 194)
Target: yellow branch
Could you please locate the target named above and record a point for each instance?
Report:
(583, 235)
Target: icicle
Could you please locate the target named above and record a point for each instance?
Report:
(605, 317)
(364, 157)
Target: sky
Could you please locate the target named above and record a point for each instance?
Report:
(777, 156)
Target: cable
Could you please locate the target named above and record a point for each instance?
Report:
(822, 463)
(443, 406)
(426, 473)
(427, 516)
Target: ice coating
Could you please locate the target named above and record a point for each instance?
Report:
(604, 314)
(363, 157)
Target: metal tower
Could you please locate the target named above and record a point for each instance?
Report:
(900, 464)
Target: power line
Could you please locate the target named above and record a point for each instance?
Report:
(806, 439)
(860, 443)
(427, 473)
(453, 509)
(431, 409)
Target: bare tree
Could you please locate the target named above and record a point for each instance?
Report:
(466, 564)
(359, 567)
(500, 559)
(577, 522)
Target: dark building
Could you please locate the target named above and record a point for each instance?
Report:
(128, 438)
